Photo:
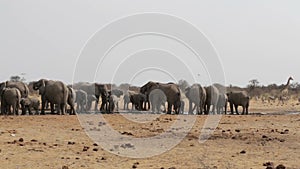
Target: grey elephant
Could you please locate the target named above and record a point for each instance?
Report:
(117, 92)
(96, 89)
(157, 99)
(196, 95)
(238, 98)
(90, 100)
(137, 100)
(28, 104)
(113, 101)
(171, 91)
(55, 92)
(126, 100)
(21, 86)
(81, 100)
(222, 103)
(10, 98)
(71, 100)
(182, 105)
(212, 95)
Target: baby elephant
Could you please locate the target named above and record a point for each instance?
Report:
(10, 97)
(29, 104)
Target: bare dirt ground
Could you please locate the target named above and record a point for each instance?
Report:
(53, 141)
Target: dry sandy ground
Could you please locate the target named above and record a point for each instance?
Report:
(54, 141)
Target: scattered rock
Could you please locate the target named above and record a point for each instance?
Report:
(103, 158)
(21, 140)
(95, 144)
(33, 140)
(65, 167)
(268, 164)
(280, 166)
(77, 158)
(134, 166)
(71, 142)
(85, 148)
(264, 136)
(237, 130)
(270, 167)
(95, 149)
(126, 133)
(127, 145)
(243, 152)
(172, 168)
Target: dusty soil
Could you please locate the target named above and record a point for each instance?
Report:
(54, 141)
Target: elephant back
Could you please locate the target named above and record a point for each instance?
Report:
(212, 95)
(56, 92)
(11, 95)
(238, 97)
(21, 86)
(193, 93)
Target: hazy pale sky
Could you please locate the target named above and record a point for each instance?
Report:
(255, 39)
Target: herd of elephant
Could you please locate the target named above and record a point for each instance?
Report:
(151, 96)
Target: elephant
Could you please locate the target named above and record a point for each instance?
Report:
(222, 103)
(27, 104)
(196, 94)
(55, 92)
(113, 103)
(137, 100)
(126, 100)
(157, 99)
(117, 92)
(81, 100)
(10, 97)
(99, 90)
(90, 100)
(22, 87)
(171, 91)
(238, 98)
(212, 95)
(71, 100)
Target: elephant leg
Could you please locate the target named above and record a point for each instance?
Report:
(231, 108)
(52, 107)
(190, 107)
(214, 109)
(62, 108)
(29, 110)
(43, 107)
(247, 106)
(236, 109)
(175, 107)
(14, 112)
(169, 107)
(96, 104)
(198, 109)
(207, 108)
(23, 110)
(225, 109)
(243, 110)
